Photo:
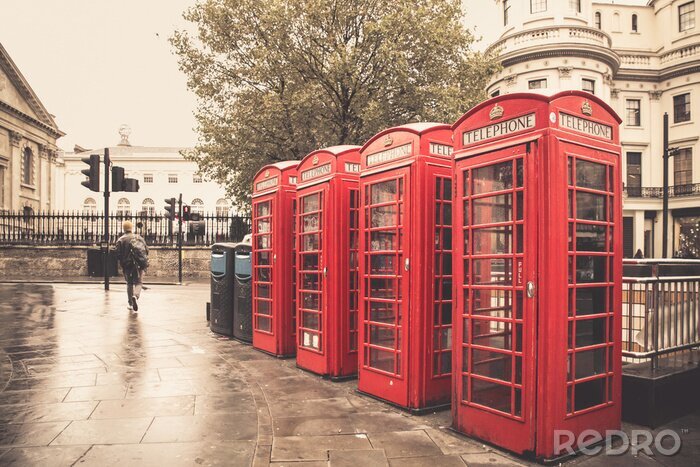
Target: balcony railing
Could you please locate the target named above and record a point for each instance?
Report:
(660, 308)
(658, 192)
(554, 35)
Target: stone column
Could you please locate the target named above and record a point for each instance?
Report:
(15, 170)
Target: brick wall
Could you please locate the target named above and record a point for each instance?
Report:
(67, 263)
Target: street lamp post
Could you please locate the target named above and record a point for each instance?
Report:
(668, 152)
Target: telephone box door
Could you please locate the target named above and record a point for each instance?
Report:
(313, 313)
(385, 284)
(263, 231)
(496, 301)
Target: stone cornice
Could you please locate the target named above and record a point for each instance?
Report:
(603, 55)
(31, 120)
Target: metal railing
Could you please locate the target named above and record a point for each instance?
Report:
(658, 192)
(660, 308)
(80, 228)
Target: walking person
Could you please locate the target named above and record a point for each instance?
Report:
(132, 254)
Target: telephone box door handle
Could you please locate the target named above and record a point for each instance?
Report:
(406, 264)
(530, 289)
(325, 272)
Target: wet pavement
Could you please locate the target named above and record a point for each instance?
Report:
(85, 382)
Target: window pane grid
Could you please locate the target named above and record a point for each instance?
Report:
(633, 112)
(309, 271)
(681, 108)
(442, 272)
(354, 232)
(538, 6)
(262, 267)
(492, 316)
(590, 278)
(686, 16)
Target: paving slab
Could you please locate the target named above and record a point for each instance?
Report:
(139, 408)
(405, 444)
(30, 434)
(116, 431)
(368, 422)
(212, 428)
(429, 461)
(305, 448)
(365, 458)
(43, 456)
(56, 412)
(489, 458)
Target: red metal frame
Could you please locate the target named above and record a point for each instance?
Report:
(274, 206)
(327, 249)
(537, 201)
(405, 266)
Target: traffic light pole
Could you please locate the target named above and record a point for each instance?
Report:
(105, 246)
(179, 239)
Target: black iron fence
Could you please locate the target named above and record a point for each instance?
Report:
(80, 228)
(658, 192)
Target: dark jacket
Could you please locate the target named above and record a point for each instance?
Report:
(122, 246)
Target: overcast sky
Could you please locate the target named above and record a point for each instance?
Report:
(96, 64)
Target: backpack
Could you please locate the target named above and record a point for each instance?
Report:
(136, 254)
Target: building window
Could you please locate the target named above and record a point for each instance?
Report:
(496, 93)
(148, 207)
(90, 206)
(537, 83)
(506, 11)
(616, 22)
(197, 206)
(633, 112)
(634, 173)
(634, 23)
(686, 16)
(681, 108)
(598, 20)
(222, 208)
(196, 178)
(123, 208)
(575, 5)
(172, 178)
(683, 167)
(538, 6)
(588, 85)
(147, 178)
(27, 166)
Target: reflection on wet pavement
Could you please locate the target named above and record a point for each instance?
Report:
(84, 382)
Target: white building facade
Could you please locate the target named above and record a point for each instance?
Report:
(162, 172)
(644, 60)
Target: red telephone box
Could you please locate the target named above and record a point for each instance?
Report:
(274, 208)
(328, 200)
(538, 274)
(406, 266)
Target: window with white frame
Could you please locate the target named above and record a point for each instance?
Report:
(575, 5)
(196, 178)
(588, 85)
(148, 206)
(635, 25)
(496, 93)
(681, 108)
(197, 206)
(686, 16)
(634, 173)
(90, 205)
(598, 20)
(27, 166)
(172, 178)
(537, 83)
(538, 6)
(683, 167)
(633, 112)
(222, 208)
(506, 12)
(147, 178)
(123, 207)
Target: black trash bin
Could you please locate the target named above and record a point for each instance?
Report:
(95, 265)
(222, 297)
(243, 293)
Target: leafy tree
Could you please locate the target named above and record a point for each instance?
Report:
(279, 78)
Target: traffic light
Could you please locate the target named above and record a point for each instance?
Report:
(170, 208)
(93, 173)
(186, 212)
(117, 178)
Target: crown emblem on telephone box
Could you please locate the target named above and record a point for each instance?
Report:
(496, 112)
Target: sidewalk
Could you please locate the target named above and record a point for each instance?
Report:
(83, 382)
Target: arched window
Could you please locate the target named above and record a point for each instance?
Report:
(197, 206)
(123, 207)
(223, 208)
(90, 206)
(27, 166)
(148, 206)
(598, 20)
(634, 23)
